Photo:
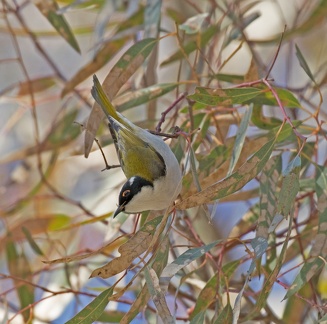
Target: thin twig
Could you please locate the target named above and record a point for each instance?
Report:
(171, 107)
(276, 54)
(283, 109)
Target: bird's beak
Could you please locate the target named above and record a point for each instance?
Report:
(118, 210)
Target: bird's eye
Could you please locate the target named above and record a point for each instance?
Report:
(126, 193)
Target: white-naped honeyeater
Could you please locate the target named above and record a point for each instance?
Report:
(151, 168)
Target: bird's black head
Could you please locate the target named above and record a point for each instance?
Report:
(130, 190)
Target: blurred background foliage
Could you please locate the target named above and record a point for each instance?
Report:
(248, 240)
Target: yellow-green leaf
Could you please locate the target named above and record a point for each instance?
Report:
(35, 85)
(31, 241)
(268, 195)
(19, 268)
(290, 187)
(226, 316)
(49, 10)
(318, 252)
(225, 97)
(93, 310)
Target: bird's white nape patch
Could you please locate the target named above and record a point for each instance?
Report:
(131, 180)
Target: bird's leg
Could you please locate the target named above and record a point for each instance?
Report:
(177, 131)
(108, 167)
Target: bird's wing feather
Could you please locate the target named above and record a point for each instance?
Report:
(143, 159)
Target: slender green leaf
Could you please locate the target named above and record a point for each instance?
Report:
(262, 121)
(240, 138)
(226, 97)
(272, 277)
(19, 268)
(267, 98)
(304, 63)
(31, 241)
(158, 296)
(296, 308)
(237, 304)
(259, 245)
(268, 195)
(321, 187)
(198, 318)
(64, 130)
(111, 316)
(309, 269)
(152, 16)
(93, 310)
(318, 252)
(231, 78)
(126, 66)
(36, 85)
(208, 294)
(290, 187)
(49, 10)
(195, 176)
(226, 316)
(183, 260)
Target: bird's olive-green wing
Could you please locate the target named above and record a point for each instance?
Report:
(136, 156)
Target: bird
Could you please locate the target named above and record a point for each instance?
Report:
(154, 177)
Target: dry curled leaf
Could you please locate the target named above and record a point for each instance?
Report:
(130, 250)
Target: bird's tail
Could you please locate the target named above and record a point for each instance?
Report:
(102, 99)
